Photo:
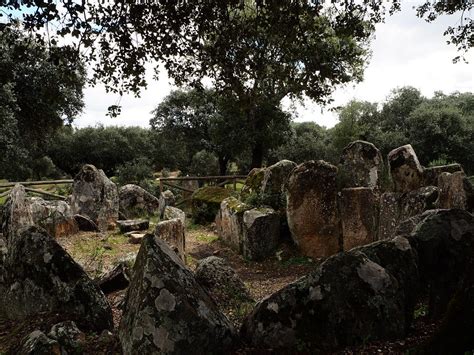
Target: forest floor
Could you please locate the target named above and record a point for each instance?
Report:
(98, 253)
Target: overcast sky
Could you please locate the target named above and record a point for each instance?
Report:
(406, 51)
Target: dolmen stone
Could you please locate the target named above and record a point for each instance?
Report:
(261, 233)
(54, 216)
(39, 276)
(96, 197)
(172, 232)
(452, 193)
(359, 212)
(230, 222)
(348, 296)
(312, 214)
(405, 169)
(131, 225)
(253, 182)
(206, 202)
(174, 212)
(166, 311)
(136, 202)
(361, 165)
(276, 176)
(85, 224)
(167, 199)
(396, 207)
(221, 281)
(17, 213)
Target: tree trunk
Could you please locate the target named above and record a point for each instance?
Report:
(223, 165)
(257, 155)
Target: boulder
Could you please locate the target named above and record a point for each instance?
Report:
(131, 225)
(261, 233)
(116, 279)
(206, 202)
(405, 169)
(312, 208)
(229, 222)
(360, 165)
(358, 211)
(346, 299)
(40, 276)
(16, 213)
(407, 226)
(54, 216)
(253, 182)
(431, 175)
(96, 197)
(174, 212)
(221, 281)
(444, 242)
(166, 311)
(37, 343)
(397, 207)
(172, 232)
(169, 198)
(136, 202)
(276, 176)
(85, 224)
(451, 190)
(69, 337)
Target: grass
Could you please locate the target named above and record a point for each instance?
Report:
(420, 311)
(207, 238)
(298, 260)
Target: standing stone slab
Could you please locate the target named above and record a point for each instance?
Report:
(451, 190)
(131, 225)
(166, 311)
(40, 276)
(137, 202)
(312, 208)
(174, 212)
(261, 233)
(358, 210)
(361, 165)
(229, 222)
(172, 232)
(54, 216)
(276, 176)
(16, 213)
(96, 197)
(253, 182)
(405, 169)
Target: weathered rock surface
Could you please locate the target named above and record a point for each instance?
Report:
(261, 233)
(133, 225)
(358, 211)
(96, 197)
(431, 175)
(312, 208)
(207, 201)
(406, 170)
(229, 222)
(69, 337)
(136, 202)
(135, 238)
(39, 276)
(221, 281)
(85, 224)
(167, 311)
(361, 165)
(253, 182)
(443, 241)
(346, 298)
(451, 190)
(174, 212)
(37, 343)
(276, 176)
(54, 216)
(172, 232)
(16, 213)
(398, 207)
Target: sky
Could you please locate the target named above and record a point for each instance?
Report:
(406, 51)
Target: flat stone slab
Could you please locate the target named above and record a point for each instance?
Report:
(130, 225)
(135, 238)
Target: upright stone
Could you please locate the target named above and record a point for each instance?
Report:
(96, 197)
(405, 169)
(137, 202)
(261, 233)
(172, 232)
(358, 210)
(361, 165)
(166, 311)
(229, 222)
(451, 190)
(276, 176)
(174, 212)
(312, 208)
(253, 182)
(16, 213)
(54, 216)
(431, 175)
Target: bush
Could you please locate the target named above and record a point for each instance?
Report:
(137, 171)
(204, 163)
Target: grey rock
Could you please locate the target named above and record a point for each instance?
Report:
(166, 311)
(16, 213)
(54, 216)
(131, 225)
(116, 279)
(452, 193)
(96, 197)
(174, 212)
(229, 222)
(276, 176)
(172, 232)
(85, 224)
(405, 169)
(261, 233)
(40, 276)
(37, 343)
(69, 337)
(431, 175)
(360, 165)
(136, 202)
(312, 213)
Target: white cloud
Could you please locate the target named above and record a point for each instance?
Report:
(406, 51)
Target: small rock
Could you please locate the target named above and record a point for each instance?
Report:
(116, 279)
(68, 335)
(135, 238)
(37, 343)
(133, 225)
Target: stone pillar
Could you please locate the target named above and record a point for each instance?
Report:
(406, 171)
(451, 190)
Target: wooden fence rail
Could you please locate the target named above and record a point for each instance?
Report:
(42, 182)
